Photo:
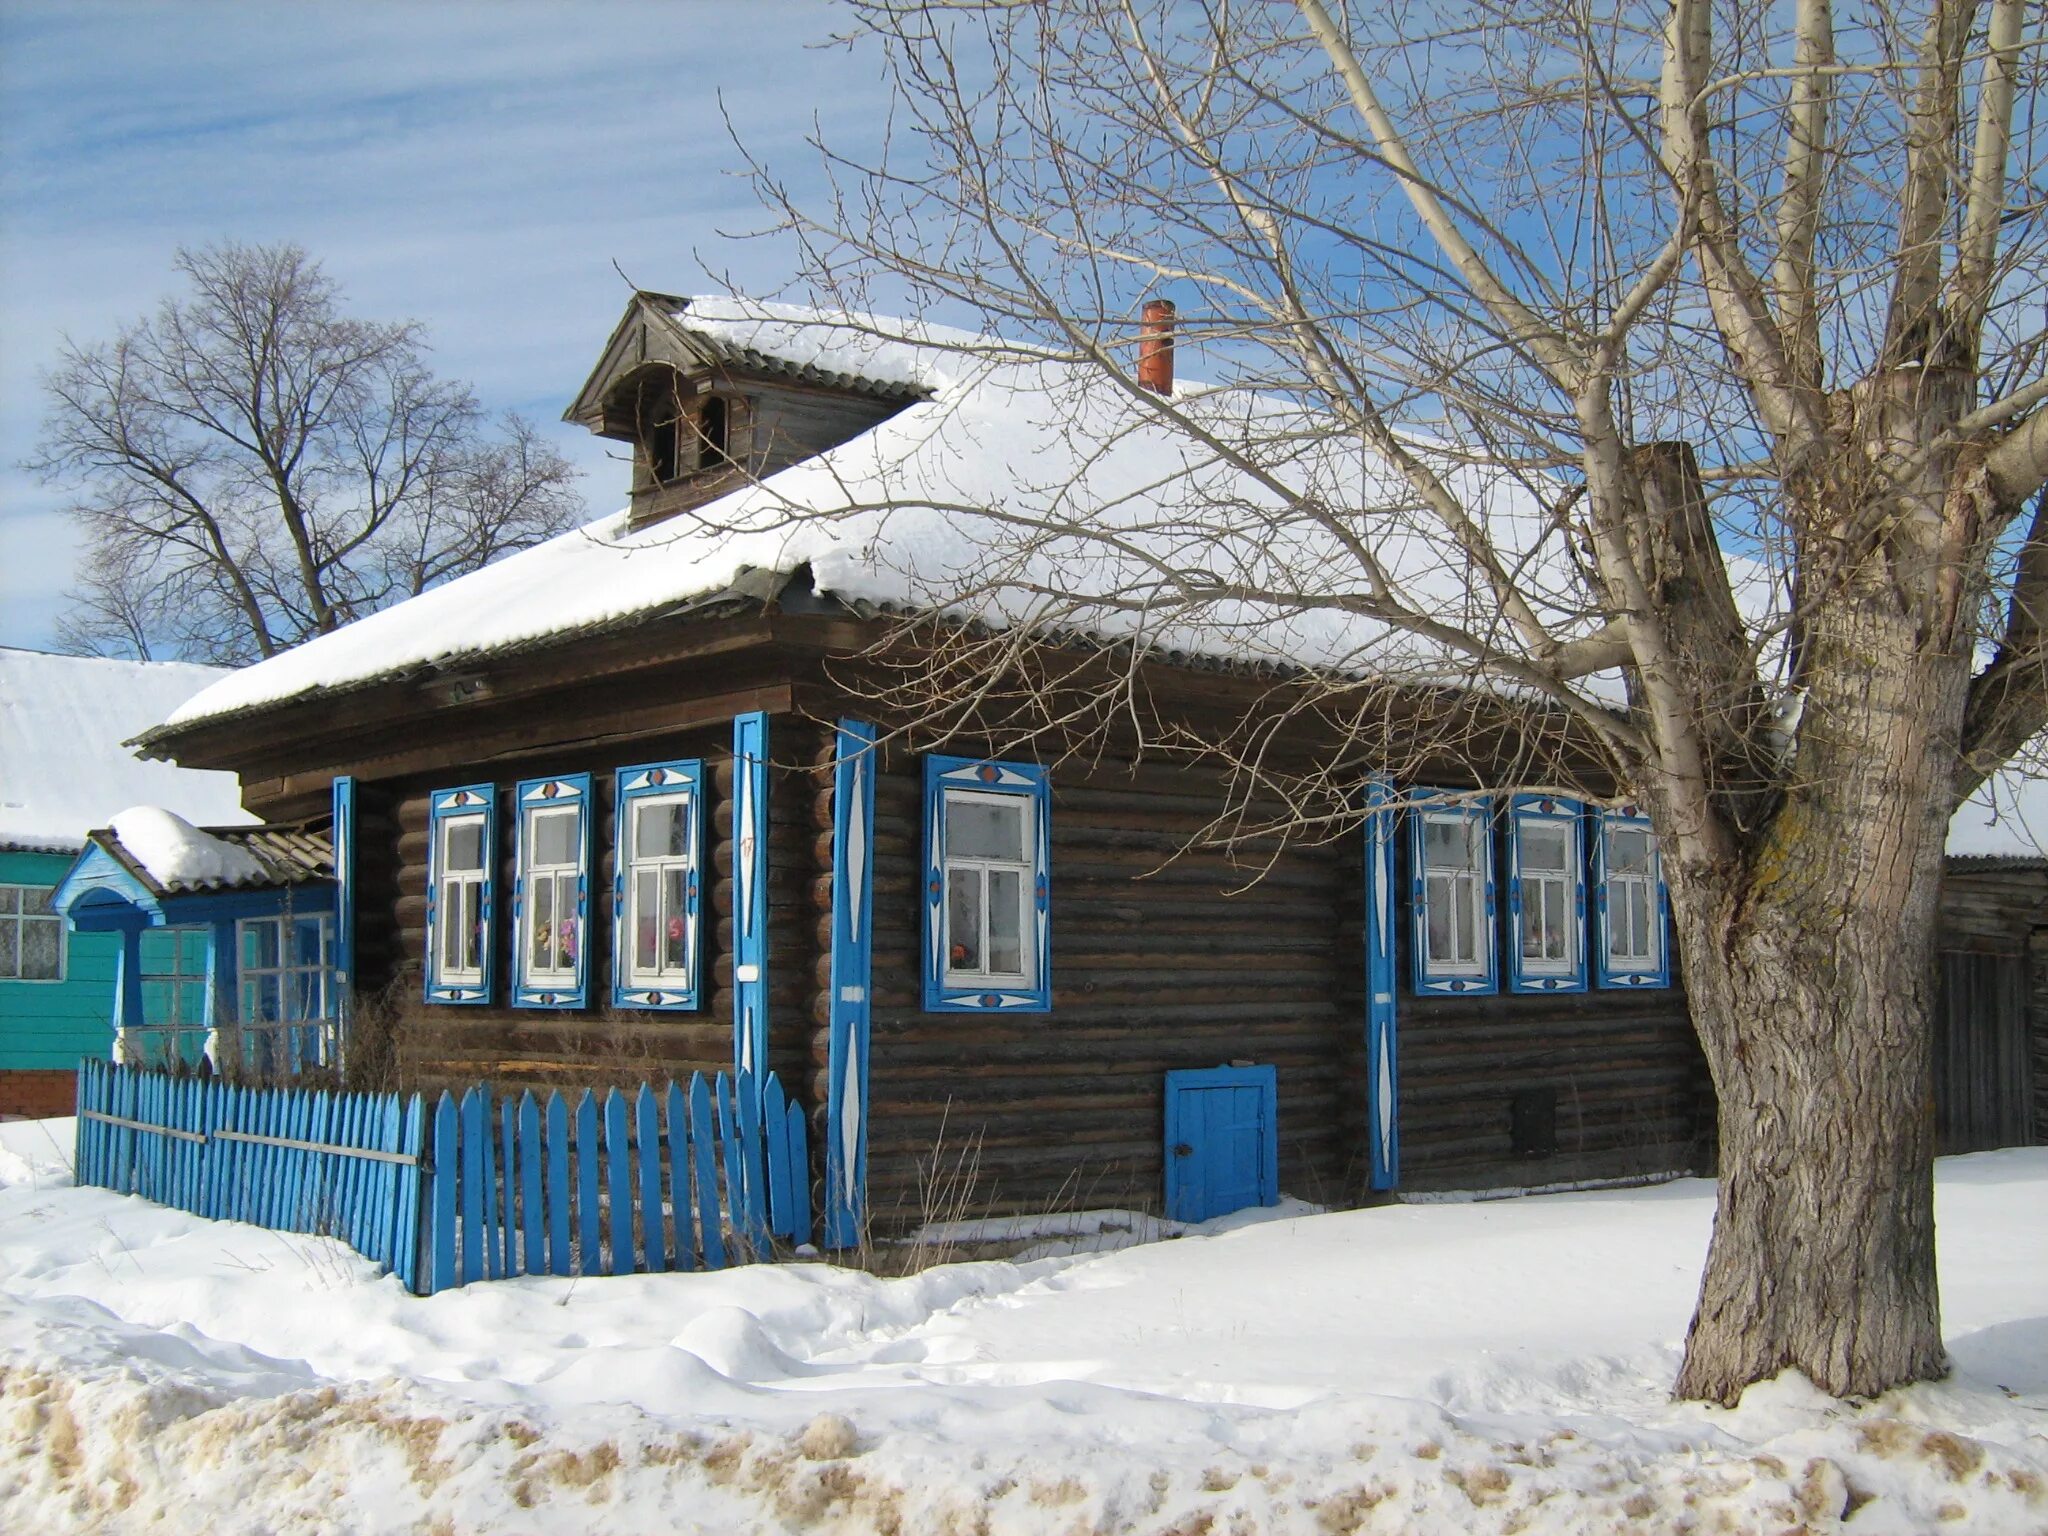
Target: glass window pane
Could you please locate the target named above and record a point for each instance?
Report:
(191, 1002)
(306, 941)
(1439, 926)
(1447, 843)
(661, 830)
(554, 837)
(983, 829)
(10, 898)
(1628, 851)
(963, 919)
(541, 926)
(159, 950)
(568, 926)
(260, 945)
(36, 898)
(1006, 922)
(646, 919)
(41, 940)
(1544, 846)
(675, 922)
(470, 929)
(192, 952)
(465, 842)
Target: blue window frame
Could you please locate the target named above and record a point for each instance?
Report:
(657, 904)
(1546, 935)
(1631, 905)
(551, 892)
(462, 862)
(987, 909)
(1450, 866)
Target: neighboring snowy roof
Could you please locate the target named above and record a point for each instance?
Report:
(2006, 818)
(944, 508)
(63, 768)
(173, 855)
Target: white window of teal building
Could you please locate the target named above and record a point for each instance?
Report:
(176, 982)
(31, 935)
(285, 990)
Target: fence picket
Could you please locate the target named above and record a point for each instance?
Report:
(535, 1254)
(406, 1234)
(679, 1177)
(444, 1206)
(704, 1164)
(619, 1183)
(510, 1262)
(589, 1251)
(471, 1176)
(781, 1219)
(754, 1165)
(559, 1256)
(647, 1146)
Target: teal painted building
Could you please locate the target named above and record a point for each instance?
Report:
(65, 770)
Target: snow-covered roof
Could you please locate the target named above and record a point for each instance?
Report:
(173, 855)
(63, 768)
(952, 505)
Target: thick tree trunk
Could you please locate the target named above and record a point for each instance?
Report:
(1809, 965)
(1823, 1248)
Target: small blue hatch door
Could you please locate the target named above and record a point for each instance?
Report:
(1222, 1141)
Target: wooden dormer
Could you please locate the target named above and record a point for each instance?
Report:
(704, 417)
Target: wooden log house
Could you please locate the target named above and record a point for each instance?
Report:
(632, 805)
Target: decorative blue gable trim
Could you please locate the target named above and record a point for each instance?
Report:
(443, 805)
(1438, 979)
(641, 782)
(853, 896)
(571, 789)
(1568, 815)
(1028, 781)
(1382, 1068)
(750, 893)
(1629, 817)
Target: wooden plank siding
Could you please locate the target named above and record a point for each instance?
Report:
(1991, 1005)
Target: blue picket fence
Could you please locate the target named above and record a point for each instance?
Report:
(343, 1164)
(480, 1188)
(634, 1183)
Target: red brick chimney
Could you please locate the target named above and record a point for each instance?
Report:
(1155, 347)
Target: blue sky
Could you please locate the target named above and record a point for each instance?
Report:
(477, 167)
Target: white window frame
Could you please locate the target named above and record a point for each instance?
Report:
(1566, 887)
(560, 877)
(681, 980)
(286, 969)
(448, 886)
(951, 988)
(981, 868)
(1649, 965)
(20, 918)
(1473, 879)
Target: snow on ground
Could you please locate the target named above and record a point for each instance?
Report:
(1494, 1367)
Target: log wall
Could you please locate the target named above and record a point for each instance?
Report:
(1157, 963)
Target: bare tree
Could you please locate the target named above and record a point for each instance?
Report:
(1749, 302)
(255, 467)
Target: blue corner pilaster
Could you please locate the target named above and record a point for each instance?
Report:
(853, 889)
(1382, 1080)
(344, 838)
(750, 894)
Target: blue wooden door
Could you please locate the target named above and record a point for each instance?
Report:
(1222, 1143)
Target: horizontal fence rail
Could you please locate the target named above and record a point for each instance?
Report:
(478, 1188)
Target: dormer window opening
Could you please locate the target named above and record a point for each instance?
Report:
(658, 419)
(714, 428)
